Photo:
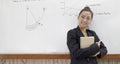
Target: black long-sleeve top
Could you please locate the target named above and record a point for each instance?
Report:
(83, 55)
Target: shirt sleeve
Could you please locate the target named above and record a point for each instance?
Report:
(103, 49)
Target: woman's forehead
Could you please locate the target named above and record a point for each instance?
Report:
(86, 13)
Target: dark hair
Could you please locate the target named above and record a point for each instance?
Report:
(87, 9)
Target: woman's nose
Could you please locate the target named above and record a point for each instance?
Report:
(84, 19)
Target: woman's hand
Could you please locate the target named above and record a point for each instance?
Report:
(96, 54)
(98, 43)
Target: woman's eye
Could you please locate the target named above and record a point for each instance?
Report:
(83, 17)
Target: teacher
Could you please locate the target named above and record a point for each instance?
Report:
(89, 54)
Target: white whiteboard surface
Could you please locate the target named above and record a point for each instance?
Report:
(41, 26)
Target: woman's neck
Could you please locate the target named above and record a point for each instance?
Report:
(83, 30)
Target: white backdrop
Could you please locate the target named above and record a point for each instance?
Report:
(40, 26)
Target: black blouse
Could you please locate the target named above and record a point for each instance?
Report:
(83, 55)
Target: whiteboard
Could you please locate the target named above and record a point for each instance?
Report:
(41, 26)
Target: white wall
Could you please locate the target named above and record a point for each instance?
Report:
(40, 26)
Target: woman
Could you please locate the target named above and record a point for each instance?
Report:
(90, 54)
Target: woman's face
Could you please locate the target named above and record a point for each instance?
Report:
(84, 19)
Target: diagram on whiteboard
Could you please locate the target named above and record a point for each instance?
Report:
(71, 8)
(68, 10)
(25, 0)
(35, 11)
(33, 20)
